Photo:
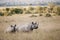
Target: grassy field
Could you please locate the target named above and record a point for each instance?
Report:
(49, 27)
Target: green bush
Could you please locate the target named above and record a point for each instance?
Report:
(17, 11)
(7, 9)
(48, 15)
(1, 14)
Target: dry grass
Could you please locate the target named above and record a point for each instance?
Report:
(49, 28)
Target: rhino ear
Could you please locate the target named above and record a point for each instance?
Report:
(32, 22)
(11, 26)
(15, 25)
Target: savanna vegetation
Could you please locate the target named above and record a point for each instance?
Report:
(51, 10)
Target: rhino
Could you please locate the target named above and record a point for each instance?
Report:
(27, 27)
(11, 28)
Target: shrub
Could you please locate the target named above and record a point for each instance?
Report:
(31, 8)
(58, 11)
(33, 16)
(24, 9)
(36, 12)
(10, 14)
(40, 8)
(7, 9)
(17, 11)
(1, 14)
(48, 15)
(40, 14)
(27, 12)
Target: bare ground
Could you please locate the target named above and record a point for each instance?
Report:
(49, 28)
